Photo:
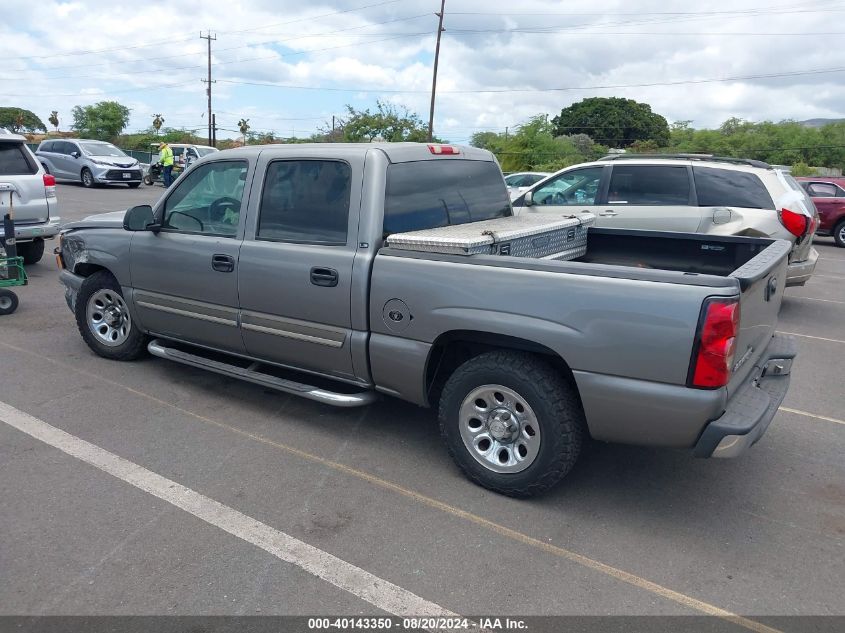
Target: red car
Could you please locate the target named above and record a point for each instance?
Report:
(828, 195)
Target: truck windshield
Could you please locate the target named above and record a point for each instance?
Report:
(431, 193)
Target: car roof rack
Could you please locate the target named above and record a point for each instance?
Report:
(701, 157)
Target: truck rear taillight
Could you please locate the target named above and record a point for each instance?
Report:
(715, 344)
(50, 185)
(445, 150)
(795, 223)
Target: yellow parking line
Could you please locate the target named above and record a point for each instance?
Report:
(812, 415)
(817, 338)
(585, 561)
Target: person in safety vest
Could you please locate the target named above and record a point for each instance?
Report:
(165, 159)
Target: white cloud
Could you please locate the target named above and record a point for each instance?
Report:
(488, 44)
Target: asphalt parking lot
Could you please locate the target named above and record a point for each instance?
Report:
(631, 531)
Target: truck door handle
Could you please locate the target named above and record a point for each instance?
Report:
(609, 213)
(324, 277)
(223, 263)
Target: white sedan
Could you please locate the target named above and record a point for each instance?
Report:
(520, 182)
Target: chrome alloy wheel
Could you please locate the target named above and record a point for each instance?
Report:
(108, 317)
(499, 429)
(842, 234)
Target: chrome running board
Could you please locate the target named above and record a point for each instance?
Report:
(159, 348)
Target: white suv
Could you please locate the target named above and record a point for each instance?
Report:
(687, 193)
(29, 194)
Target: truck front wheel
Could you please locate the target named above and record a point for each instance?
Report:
(511, 422)
(104, 321)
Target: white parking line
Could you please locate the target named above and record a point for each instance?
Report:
(814, 299)
(828, 276)
(817, 338)
(378, 592)
(811, 415)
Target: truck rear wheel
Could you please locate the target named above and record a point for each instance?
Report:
(104, 321)
(511, 422)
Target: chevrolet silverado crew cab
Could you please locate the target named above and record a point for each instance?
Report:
(28, 194)
(269, 264)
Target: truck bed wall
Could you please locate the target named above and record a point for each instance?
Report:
(635, 331)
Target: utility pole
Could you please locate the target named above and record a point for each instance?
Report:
(214, 130)
(434, 77)
(211, 131)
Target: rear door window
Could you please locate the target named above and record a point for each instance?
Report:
(649, 185)
(431, 193)
(15, 161)
(306, 201)
(729, 188)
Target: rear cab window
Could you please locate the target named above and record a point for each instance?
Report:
(433, 193)
(15, 159)
(730, 188)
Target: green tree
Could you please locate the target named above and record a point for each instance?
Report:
(102, 121)
(613, 121)
(19, 120)
(54, 119)
(388, 123)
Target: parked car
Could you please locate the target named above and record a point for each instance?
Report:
(89, 162)
(829, 198)
(520, 182)
(30, 194)
(268, 264)
(691, 193)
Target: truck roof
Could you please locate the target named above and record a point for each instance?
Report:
(396, 152)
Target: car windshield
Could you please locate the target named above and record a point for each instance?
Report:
(101, 149)
(205, 151)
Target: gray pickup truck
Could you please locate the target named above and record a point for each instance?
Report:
(268, 264)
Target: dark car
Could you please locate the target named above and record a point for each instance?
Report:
(829, 198)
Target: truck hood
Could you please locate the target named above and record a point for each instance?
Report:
(111, 220)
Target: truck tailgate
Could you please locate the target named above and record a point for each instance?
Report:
(762, 281)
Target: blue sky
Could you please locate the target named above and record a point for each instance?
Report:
(501, 62)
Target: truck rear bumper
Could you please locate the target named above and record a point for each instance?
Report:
(753, 406)
(799, 273)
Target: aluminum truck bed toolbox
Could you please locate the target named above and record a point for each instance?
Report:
(534, 235)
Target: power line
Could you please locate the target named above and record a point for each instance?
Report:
(817, 71)
(106, 93)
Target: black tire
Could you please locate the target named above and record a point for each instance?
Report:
(135, 344)
(148, 180)
(87, 178)
(134, 185)
(839, 234)
(555, 404)
(8, 301)
(32, 252)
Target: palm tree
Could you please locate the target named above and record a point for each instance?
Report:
(157, 121)
(54, 119)
(243, 126)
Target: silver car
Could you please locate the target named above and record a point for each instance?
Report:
(89, 162)
(29, 195)
(687, 193)
(520, 182)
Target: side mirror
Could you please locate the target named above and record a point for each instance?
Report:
(140, 218)
(528, 200)
(75, 154)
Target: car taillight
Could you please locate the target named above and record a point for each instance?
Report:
(716, 344)
(444, 150)
(795, 223)
(50, 185)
